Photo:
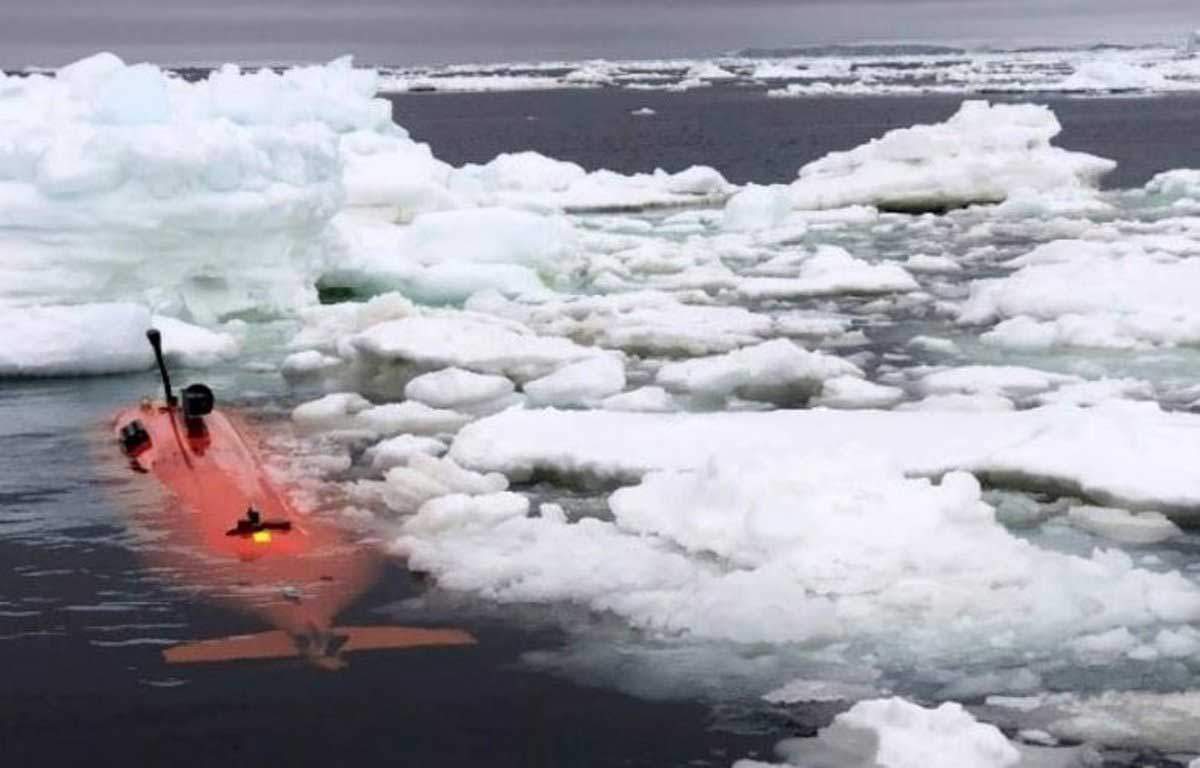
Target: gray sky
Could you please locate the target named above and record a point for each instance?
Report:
(51, 32)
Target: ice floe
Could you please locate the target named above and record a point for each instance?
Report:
(982, 154)
(776, 371)
(1121, 525)
(895, 733)
(475, 342)
(1088, 451)
(90, 339)
(1113, 76)
(805, 548)
(456, 388)
(830, 270)
(1072, 293)
(581, 383)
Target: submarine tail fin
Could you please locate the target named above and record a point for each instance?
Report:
(278, 644)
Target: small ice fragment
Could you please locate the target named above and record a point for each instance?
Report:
(1122, 525)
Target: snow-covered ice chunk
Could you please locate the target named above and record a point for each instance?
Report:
(650, 322)
(90, 339)
(982, 154)
(86, 339)
(921, 262)
(579, 383)
(192, 346)
(1122, 525)
(471, 341)
(1112, 76)
(756, 208)
(351, 412)
(425, 477)
(308, 362)
(445, 256)
(1099, 391)
(935, 344)
(326, 326)
(707, 70)
(779, 70)
(1091, 294)
(830, 270)
(1169, 722)
(591, 73)
(776, 371)
(697, 180)
(642, 400)
(458, 510)
(456, 388)
(896, 733)
(1008, 380)
(397, 451)
(855, 392)
(332, 411)
(409, 417)
(527, 179)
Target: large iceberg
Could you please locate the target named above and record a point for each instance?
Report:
(983, 154)
(126, 182)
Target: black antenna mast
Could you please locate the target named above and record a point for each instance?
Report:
(156, 342)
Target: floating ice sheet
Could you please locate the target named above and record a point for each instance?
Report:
(983, 154)
(1124, 453)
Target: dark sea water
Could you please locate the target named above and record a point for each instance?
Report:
(83, 620)
(752, 138)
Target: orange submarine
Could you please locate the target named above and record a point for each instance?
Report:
(230, 534)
